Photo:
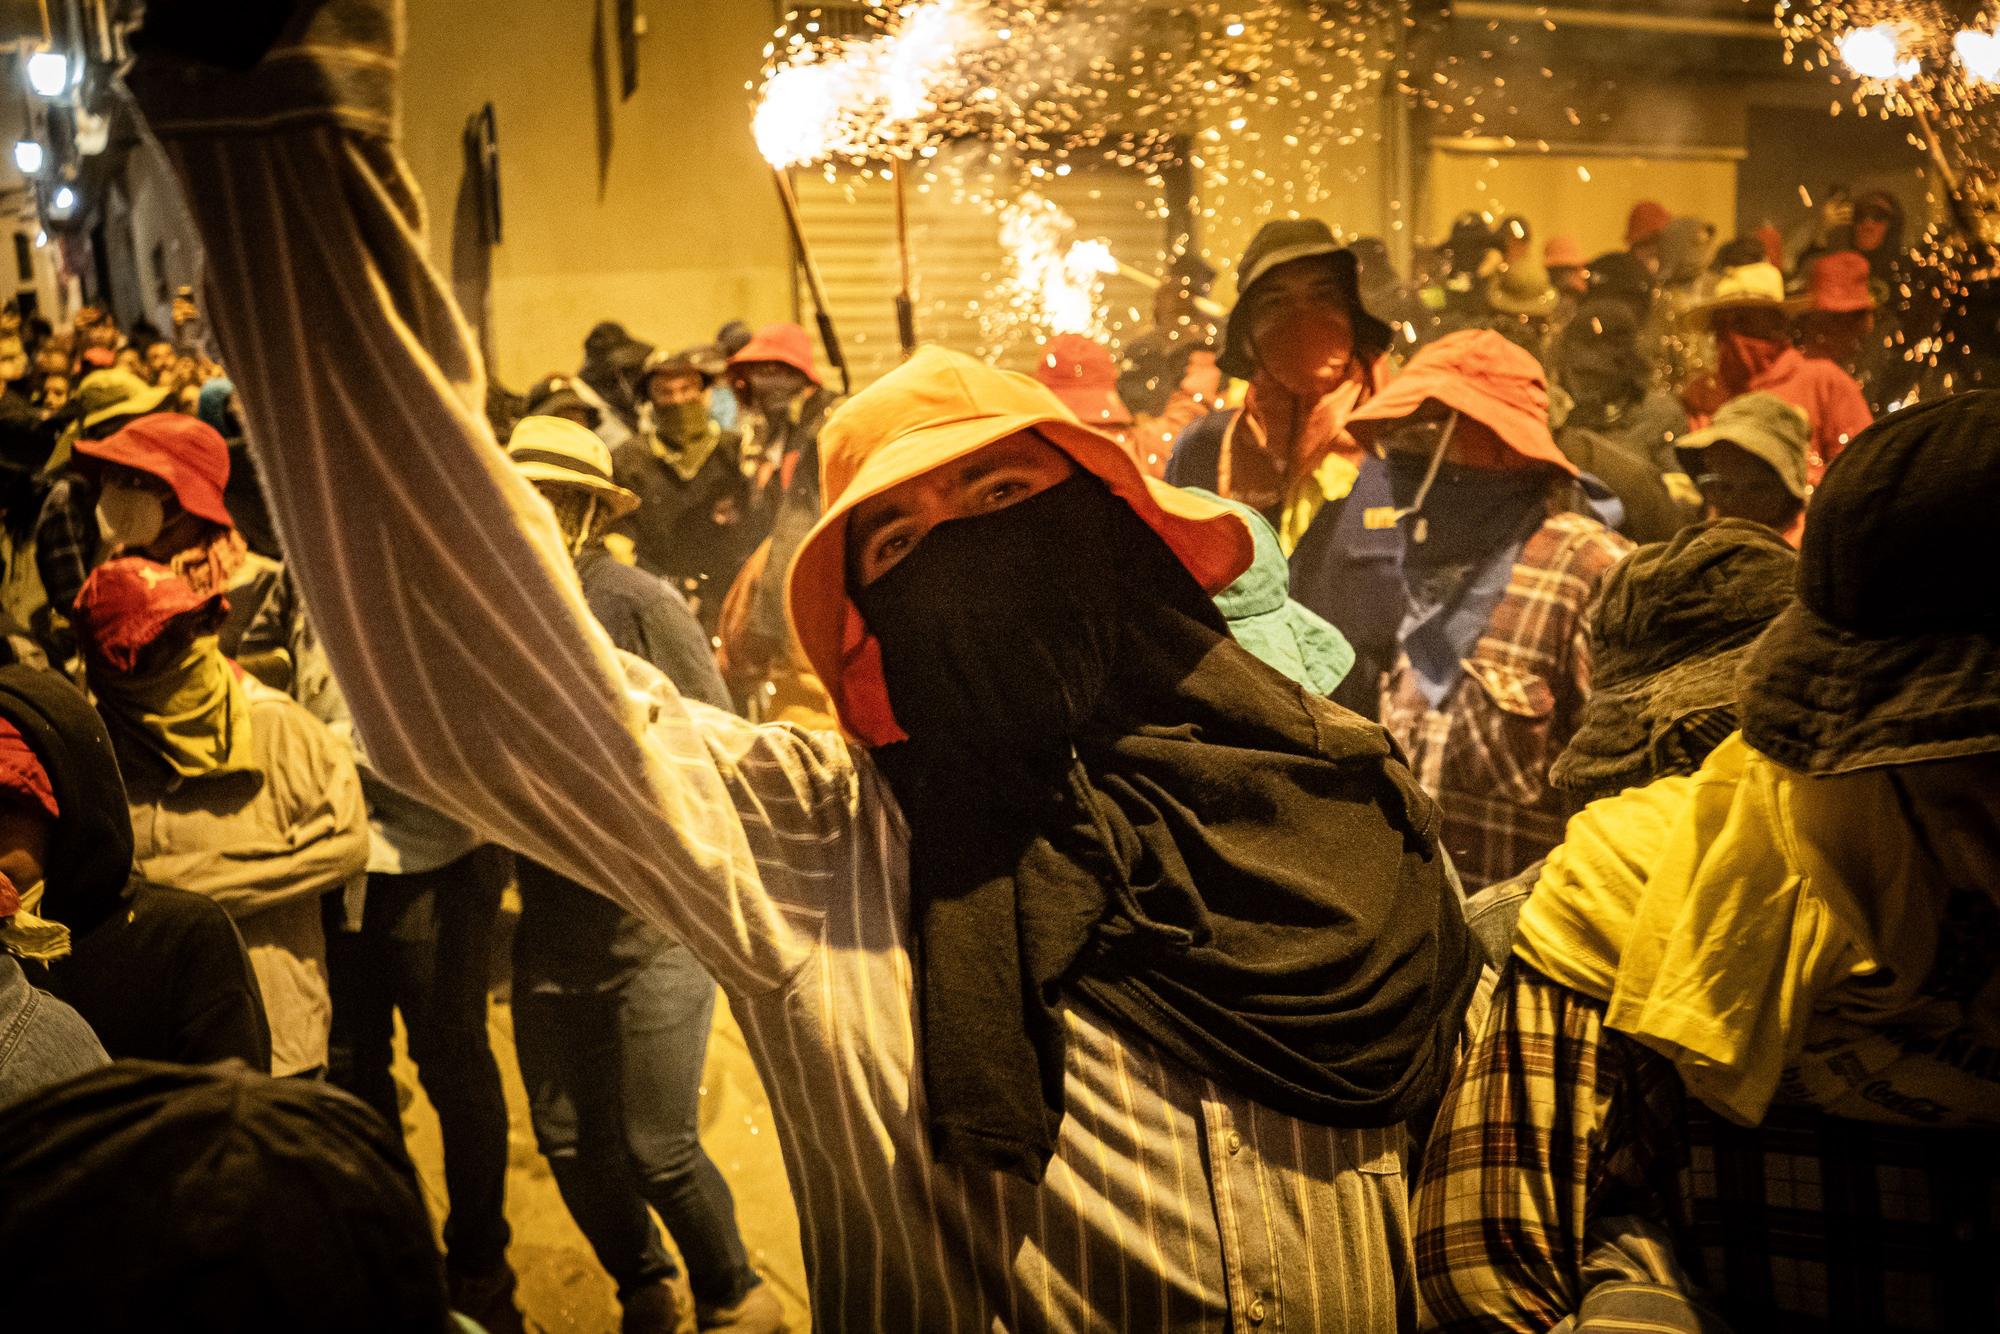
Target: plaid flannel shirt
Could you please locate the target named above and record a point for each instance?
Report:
(1570, 1184)
(1485, 753)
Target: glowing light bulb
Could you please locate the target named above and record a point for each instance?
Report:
(64, 201)
(28, 156)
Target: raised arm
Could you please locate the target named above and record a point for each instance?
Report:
(478, 680)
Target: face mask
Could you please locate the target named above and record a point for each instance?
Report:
(682, 421)
(1466, 514)
(999, 632)
(129, 517)
(1743, 357)
(1307, 352)
(577, 535)
(771, 394)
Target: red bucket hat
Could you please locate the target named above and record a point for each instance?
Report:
(185, 453)
(786, 344)
(1080, 372)
(1839, 284)
(1648, 218)
(1479, 374)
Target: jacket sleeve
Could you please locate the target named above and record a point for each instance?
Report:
(439, 586)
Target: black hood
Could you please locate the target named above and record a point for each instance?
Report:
(90, 855)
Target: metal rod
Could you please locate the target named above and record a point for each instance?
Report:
(824, 316)
(1954, 187)
(1212, 309)
(906, 310)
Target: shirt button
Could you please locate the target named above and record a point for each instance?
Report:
(1257, 1311)
(1234, 1142)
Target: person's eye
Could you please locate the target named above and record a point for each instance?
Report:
(1005, 493)
(888, 550)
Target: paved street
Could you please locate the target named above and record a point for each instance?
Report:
(562, 1288)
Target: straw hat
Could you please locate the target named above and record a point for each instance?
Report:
(559, 452)
(1745, 287)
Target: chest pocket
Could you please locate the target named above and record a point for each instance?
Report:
(1500, 742)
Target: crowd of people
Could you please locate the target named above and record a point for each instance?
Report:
(1468, 803)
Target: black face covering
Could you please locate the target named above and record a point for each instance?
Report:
(1469, 514)
(999, 632)
(1110, 800)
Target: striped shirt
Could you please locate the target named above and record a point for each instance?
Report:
(480, 683)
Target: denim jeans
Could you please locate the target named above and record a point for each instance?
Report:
(614, 1090)
(425, 948)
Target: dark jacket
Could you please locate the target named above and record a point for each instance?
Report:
(1650, 512)
(178, 952)
(691, 533)
(571, 939)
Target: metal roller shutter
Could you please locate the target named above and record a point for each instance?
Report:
(958, 264)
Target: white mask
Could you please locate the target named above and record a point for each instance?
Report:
(129, 517)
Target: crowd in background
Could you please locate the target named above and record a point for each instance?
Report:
(1477, 773)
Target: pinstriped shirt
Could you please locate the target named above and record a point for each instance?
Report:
(480, 683)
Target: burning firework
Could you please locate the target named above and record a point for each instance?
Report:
(1055, 285)
(856, 99)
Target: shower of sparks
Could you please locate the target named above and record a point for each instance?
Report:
(1224, 114)
(1944, 84)
(851, 98)
(1054, 285)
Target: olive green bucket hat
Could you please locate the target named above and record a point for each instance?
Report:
(1279, 243)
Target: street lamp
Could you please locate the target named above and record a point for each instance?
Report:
(48, 73)
(28, 156)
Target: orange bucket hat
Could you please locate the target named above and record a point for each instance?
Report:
(937, 407)
(1483, 375)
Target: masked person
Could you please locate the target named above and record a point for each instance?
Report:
(42, 1040)
(608, 380)
(236, 792)
(1750, 463)
(784, 408)
(67, 538)
(155, 973)
(1777, 960)
(1748, 315)
(693, 514)
(1311, 354)
(1492, 669)
(611, 1016)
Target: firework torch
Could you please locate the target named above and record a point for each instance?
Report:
(906, 310)
(822, 314)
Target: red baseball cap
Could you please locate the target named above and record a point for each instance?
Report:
(786, 344)
(184, 452)
(1080, 372)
